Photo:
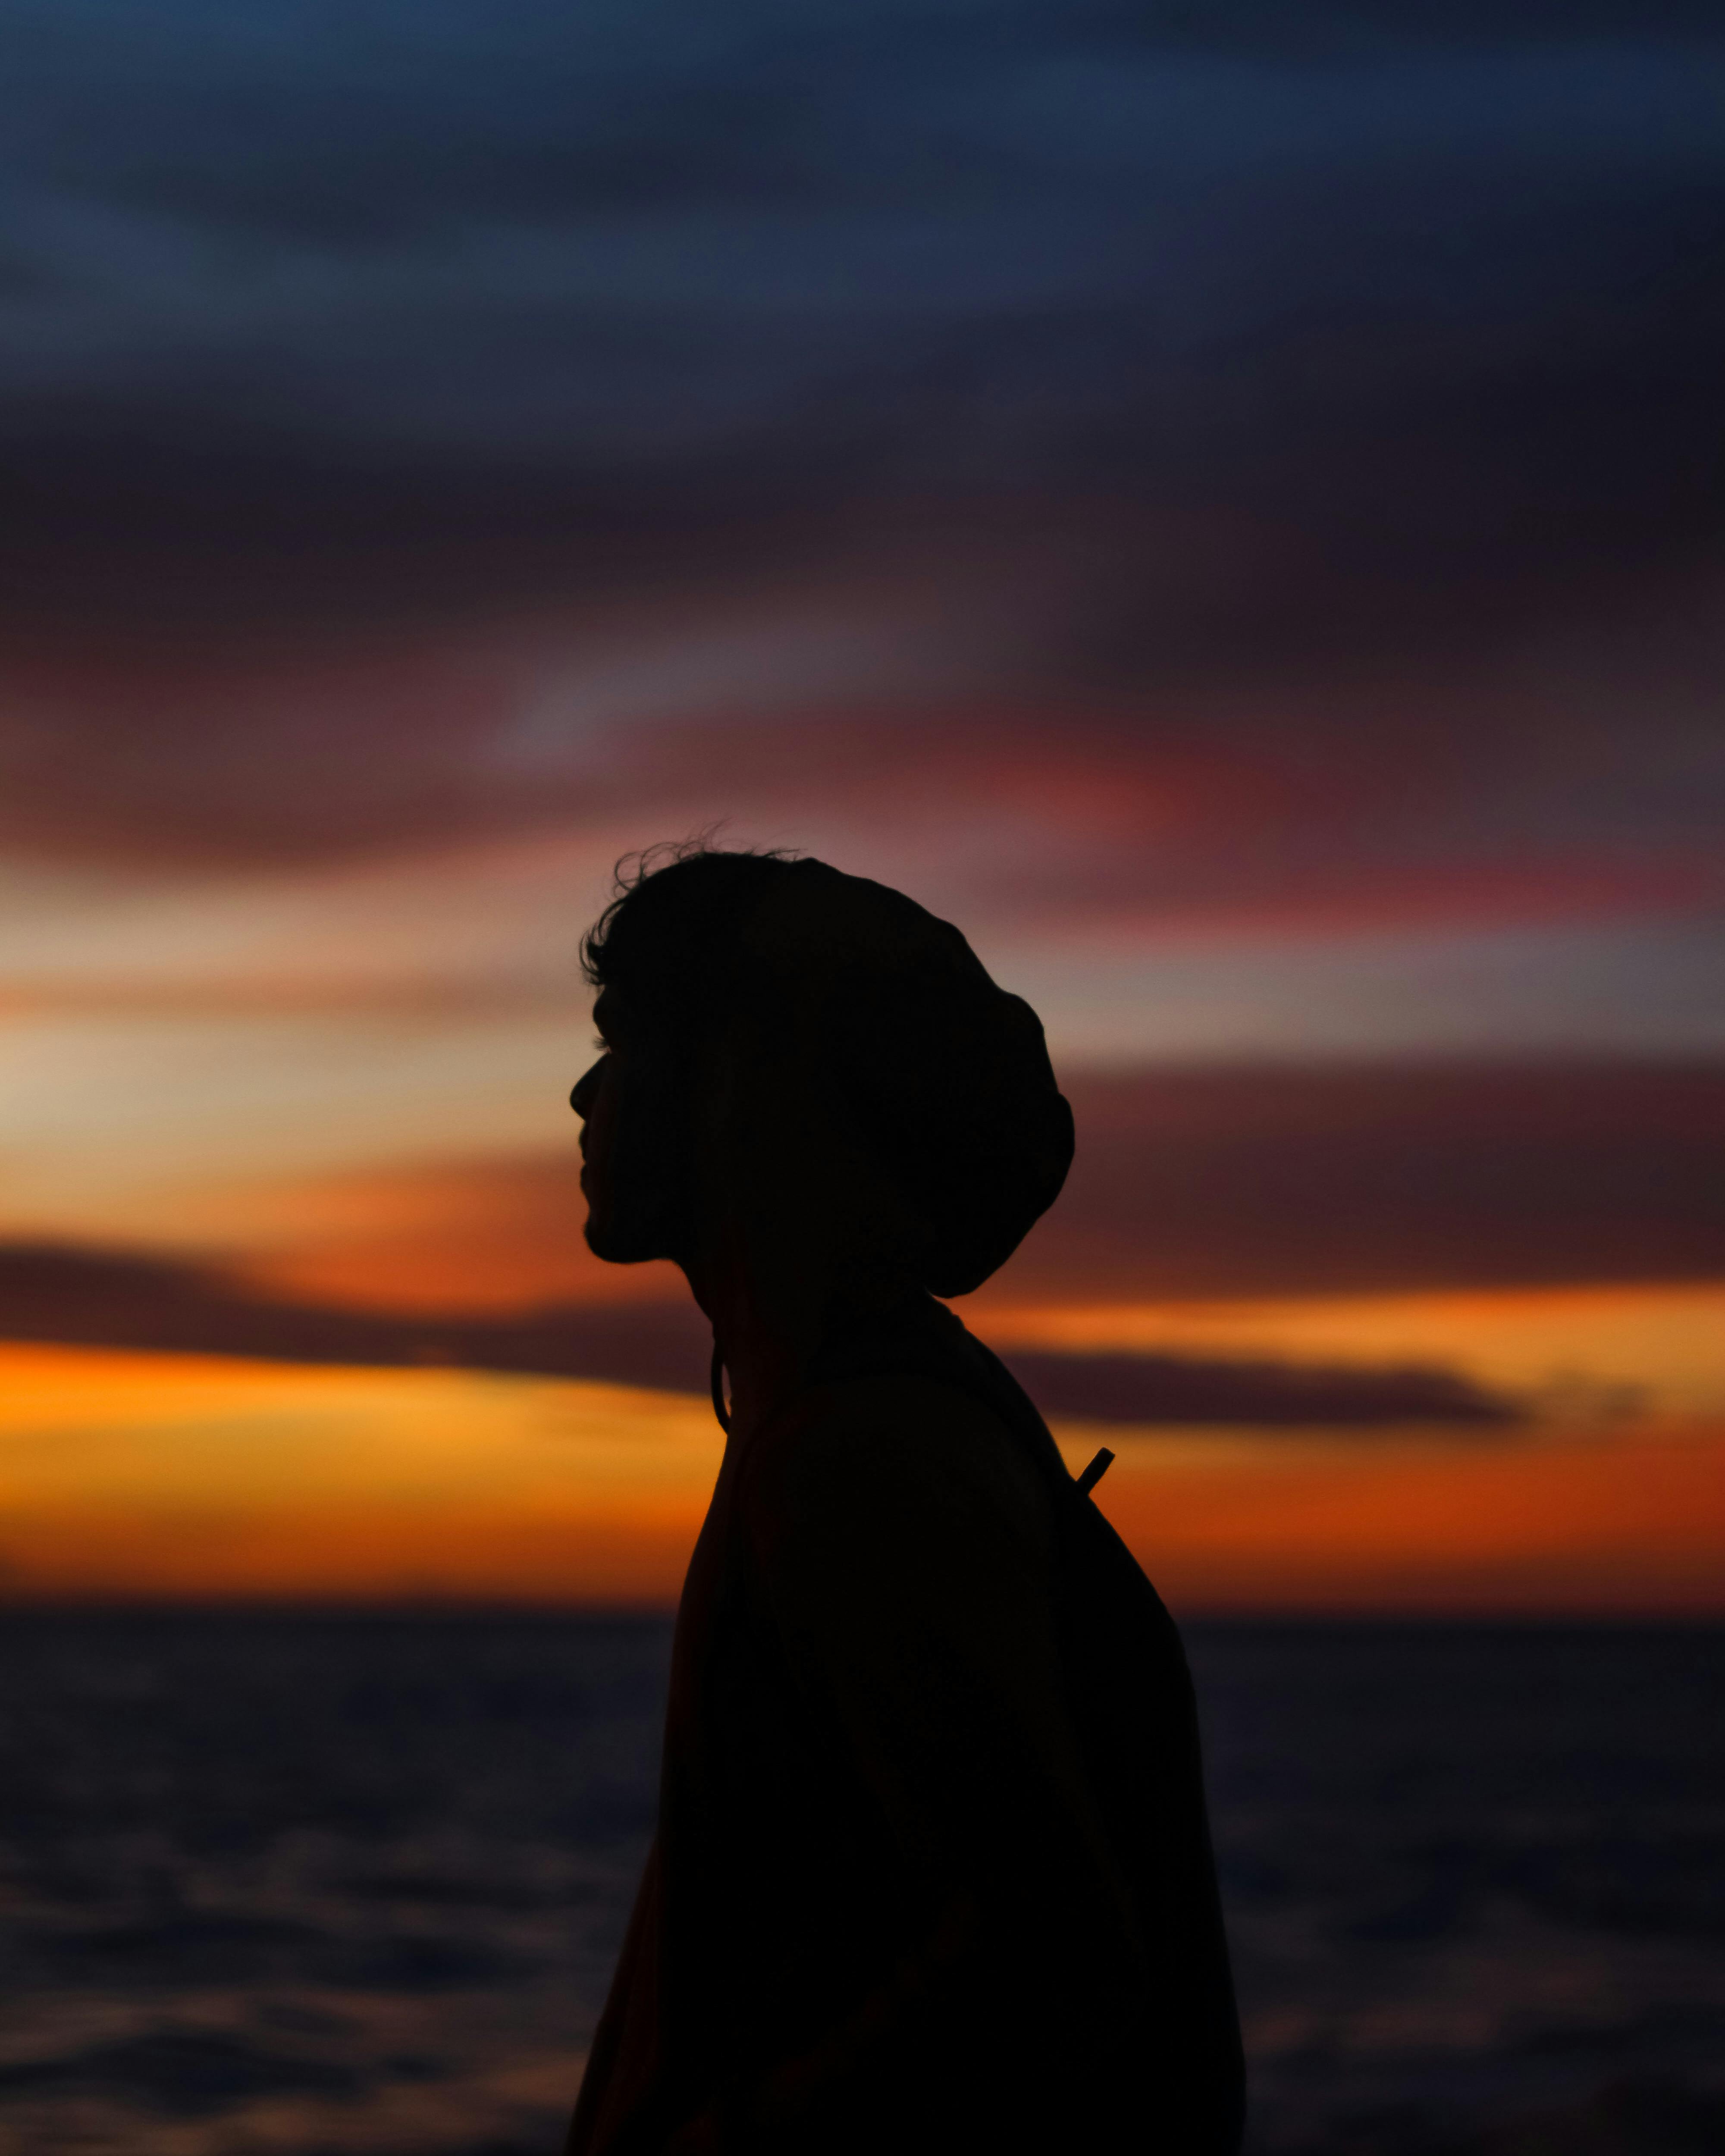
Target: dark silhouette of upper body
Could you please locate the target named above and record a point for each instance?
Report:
(931, 1870)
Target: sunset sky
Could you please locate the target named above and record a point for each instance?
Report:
(1221, 502)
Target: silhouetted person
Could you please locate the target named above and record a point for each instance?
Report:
(931, 1870)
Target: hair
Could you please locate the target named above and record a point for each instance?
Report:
(942, 1076)
(677, 908)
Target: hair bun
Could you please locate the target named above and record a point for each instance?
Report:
(946, 1075)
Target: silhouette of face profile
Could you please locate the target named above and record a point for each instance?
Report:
(632, 1152)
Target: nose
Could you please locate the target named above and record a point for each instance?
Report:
(586, 1086)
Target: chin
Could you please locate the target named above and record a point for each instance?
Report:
(624, 1242)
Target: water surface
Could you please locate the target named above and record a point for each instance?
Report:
(352, 1886)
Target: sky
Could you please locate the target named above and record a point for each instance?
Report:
(1221, 502)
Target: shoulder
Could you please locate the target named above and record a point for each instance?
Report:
(898, 1456)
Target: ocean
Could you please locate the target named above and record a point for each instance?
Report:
(352, 1884)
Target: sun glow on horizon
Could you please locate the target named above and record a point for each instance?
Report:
(130, 1475)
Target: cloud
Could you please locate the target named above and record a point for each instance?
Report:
(1127, 482)
(67, 1295)
(924, 733)
(1647, 988)
(1209, 473)
(1186, 1389)
(304, 316)
(1267, 1182)
(1190, 1184)
(64, 1294)
(1234, 1182)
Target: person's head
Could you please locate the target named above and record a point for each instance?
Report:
(778, 1034)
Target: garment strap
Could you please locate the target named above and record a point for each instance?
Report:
(716, 1379)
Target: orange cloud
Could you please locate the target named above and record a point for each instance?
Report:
(1241, 1182)
(472, 1235)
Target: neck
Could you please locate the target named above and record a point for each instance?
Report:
(765, 1339)
(768, 1327)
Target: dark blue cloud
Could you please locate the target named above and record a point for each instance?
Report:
(1413, 278)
